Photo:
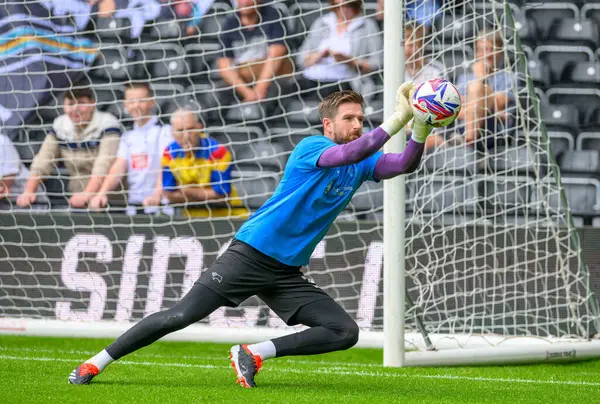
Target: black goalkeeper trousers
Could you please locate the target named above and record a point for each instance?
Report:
(332, 329)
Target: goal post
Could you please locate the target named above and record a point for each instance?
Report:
(491, 285)
(472, 259)
(393, 193)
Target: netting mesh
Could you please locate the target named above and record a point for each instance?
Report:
(490, 246)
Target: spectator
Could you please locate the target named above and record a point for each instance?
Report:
(196, 168)
(191, 11)
(139, 154)
(486, 92)
(419, 69)
(423, 12)
(13, 173)
(341, 46)
(85, 140)
(254, 50)
(138, 12)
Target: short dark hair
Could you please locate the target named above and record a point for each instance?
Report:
(329, 106)
(80, 92)
(142, 84)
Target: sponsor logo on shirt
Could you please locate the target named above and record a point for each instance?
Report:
(139, 161)
(338, 185)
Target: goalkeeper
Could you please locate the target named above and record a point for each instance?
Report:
(267, 253)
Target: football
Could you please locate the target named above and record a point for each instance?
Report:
(436, 102)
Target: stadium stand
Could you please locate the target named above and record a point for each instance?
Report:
(560, 40)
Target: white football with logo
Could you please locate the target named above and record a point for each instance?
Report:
(436, 102)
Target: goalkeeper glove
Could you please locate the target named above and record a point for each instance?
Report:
(403, 113)
(420, 131)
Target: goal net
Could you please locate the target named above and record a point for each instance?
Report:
(492, 254)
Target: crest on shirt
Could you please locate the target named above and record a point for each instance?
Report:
(139, 161)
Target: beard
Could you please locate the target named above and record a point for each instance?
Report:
(343, 138)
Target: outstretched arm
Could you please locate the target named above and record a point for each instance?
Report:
(392, 164)
(355, 151)
(365, 146)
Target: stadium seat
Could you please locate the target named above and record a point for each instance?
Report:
(164, 92)
(302, 112)
(162, 62)
(544, 17)
(443, 194)
(452, 57)
(113, 29)
(575, 32)
(107, 95)
(578, 221)
(57, 187)
(586, 73)
(560, 142)
(112, 63)
(558, 57)
(456, 160)
(588, 141)
(509, 195)
(454, 28)
(526, 28)
(368, 197)
(48, 112)
(212, 22)
(247, 112)
(303, 15)
(117, 108)
(591, 11)
(237, 137)
(518, 161)
(255, 187)
(165, 30)
(28, 142)
(586, 100)
(542, 98)
(168, 98)
(202, 61)
(560, 117)
(285, 16)
(583, 162)
(290, 137)
(373, 113)
(582, 196)
(262, 156)
(539, 73)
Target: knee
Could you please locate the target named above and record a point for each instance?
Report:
(352, 335)
(174, 322)
(348, 333)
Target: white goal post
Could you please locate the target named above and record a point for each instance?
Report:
(472, 259)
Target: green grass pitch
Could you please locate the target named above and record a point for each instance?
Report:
(35, 370)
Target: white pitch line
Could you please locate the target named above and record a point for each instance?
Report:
(193, 357)
(332, 372)
(144, 363)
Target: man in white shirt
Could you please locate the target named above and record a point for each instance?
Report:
(13, 173)
(139, 154)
